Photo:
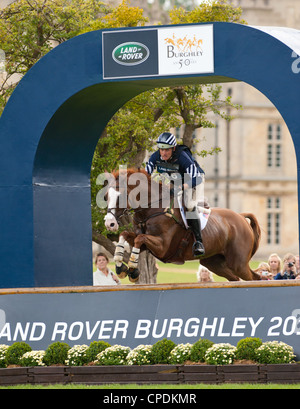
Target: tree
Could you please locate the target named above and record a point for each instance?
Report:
(208, 11)
(31, 28)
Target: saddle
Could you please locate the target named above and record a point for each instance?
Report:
(203, 212)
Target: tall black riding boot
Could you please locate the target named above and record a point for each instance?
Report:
(198, 248)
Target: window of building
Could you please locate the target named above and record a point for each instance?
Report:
(274, 147)
(273, 220)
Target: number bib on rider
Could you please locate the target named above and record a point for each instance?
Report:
(171, 168)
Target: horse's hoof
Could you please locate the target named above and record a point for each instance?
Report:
(122, 271)
(133, 274)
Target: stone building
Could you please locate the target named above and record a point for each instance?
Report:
(256, 170)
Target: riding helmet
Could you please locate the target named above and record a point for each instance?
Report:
(166, 140)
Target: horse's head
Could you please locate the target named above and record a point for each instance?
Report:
(127, 189)
(117, 199)
(111, 218)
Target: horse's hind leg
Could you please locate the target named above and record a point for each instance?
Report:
(239, 265)
(217, 264)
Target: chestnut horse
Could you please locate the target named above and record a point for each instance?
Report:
(229, 239)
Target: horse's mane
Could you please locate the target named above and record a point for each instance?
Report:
(130, 171)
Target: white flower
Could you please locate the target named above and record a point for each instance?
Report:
(141, 355)
(3, 349)
(275, 352)
(180, 353)
(114, 355)
(33, 358)
(220, 354)
(76, 355)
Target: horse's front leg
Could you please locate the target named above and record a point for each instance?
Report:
(121, 268)
(153, 243)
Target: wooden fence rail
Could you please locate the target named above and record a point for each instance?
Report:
(152, 374)
(150, 287)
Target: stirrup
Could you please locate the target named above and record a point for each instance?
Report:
(198, 249)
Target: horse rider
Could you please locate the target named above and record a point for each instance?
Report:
(172, 159)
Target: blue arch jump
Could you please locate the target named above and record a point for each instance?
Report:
(53, 120)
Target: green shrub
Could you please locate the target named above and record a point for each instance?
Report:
(115, 355)
(275, 352)
(56, 353)
(220, 354)
(180, 354)
(199, 349)
(15, 352)
(246, 348)
(161, 351)
(95, 348)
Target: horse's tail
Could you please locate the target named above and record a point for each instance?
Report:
(256, 230)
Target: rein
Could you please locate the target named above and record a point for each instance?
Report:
(124, 213)
(168, 211)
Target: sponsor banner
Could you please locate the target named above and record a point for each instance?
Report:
(130, 318)
(158, 52)
(129, 53)
(186, 50)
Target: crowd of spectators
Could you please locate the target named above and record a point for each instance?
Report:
(280, 269)
(275, 268)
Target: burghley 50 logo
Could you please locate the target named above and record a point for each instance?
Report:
(186, 50)
(130, 53)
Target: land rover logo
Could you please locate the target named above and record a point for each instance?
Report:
(130, 53)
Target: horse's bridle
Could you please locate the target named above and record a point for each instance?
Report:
(123, 214)
(168, 211)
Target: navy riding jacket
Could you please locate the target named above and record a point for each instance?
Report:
(180, 163)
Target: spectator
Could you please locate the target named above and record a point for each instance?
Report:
(275, 264)
(289, 268)
(264, 271)
(297, 265)
(103, 275)
(204, 275)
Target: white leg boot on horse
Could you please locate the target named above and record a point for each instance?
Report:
(121, 268)
(133, 272)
